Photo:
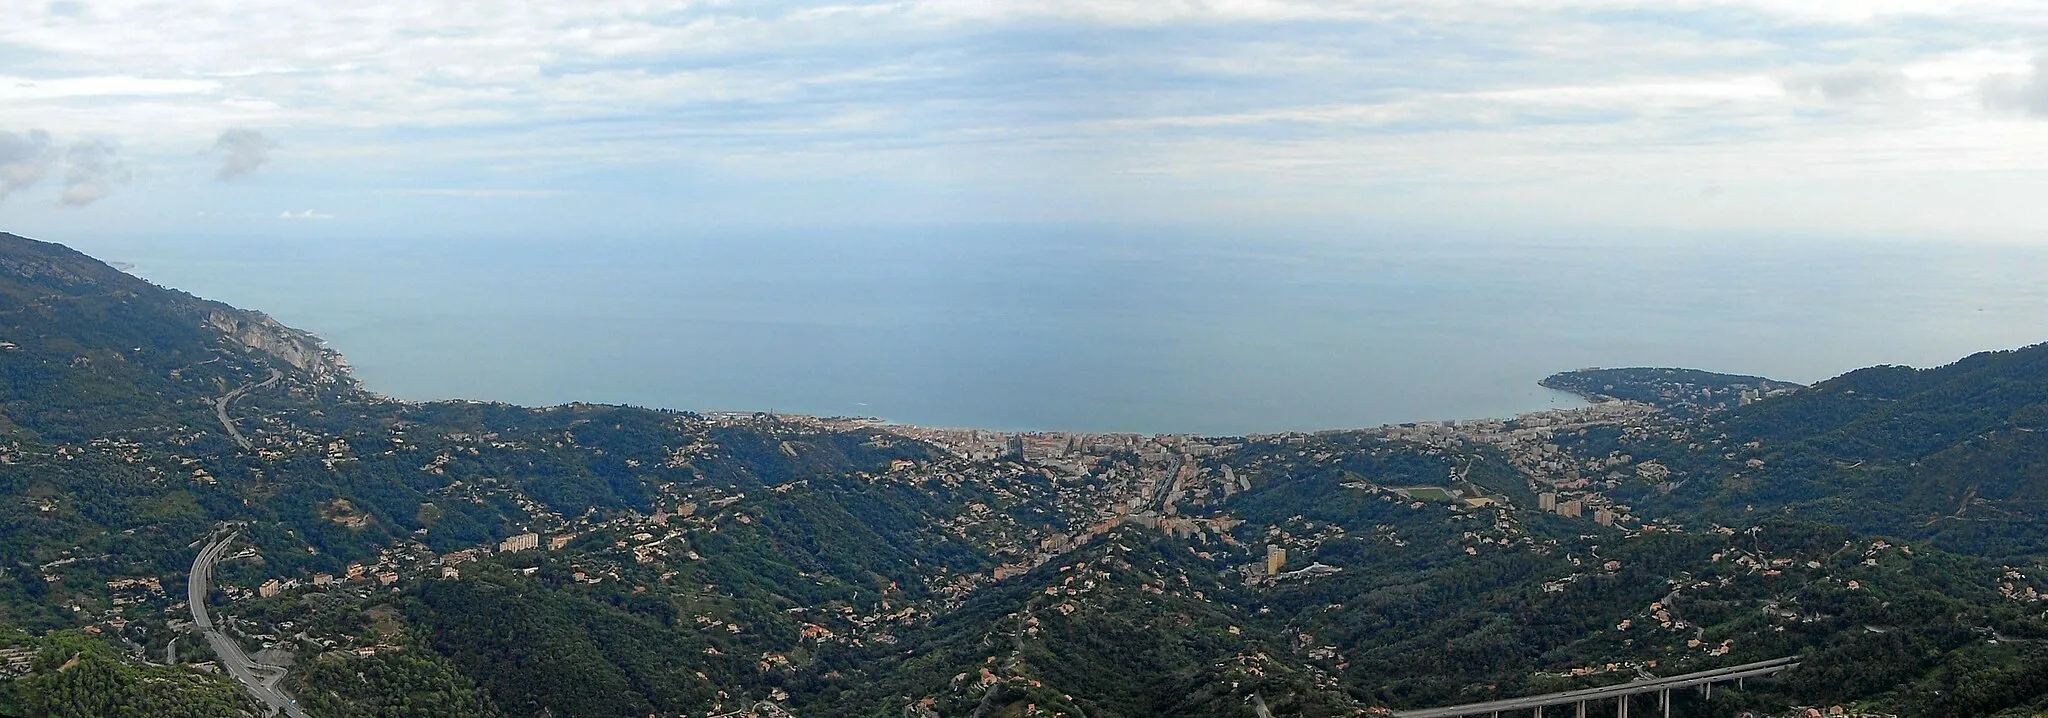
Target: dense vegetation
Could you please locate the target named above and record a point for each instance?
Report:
(1683, 392)
(392, 685)
(1955, 455)
(77, 676)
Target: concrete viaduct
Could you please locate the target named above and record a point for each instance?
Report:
(1620, 694)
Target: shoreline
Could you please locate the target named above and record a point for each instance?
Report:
(877, 422)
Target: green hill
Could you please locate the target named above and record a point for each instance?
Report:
(1953, 454)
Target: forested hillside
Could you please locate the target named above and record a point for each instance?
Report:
(1955, 455)
(480, 559)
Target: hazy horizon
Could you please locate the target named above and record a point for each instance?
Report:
(1101, 330)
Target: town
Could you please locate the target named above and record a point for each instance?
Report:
(1098, 486)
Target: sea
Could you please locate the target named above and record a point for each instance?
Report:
(1105, 329)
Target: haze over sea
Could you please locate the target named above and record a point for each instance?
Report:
(1101, 329)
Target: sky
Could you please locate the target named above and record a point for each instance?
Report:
(474, 117)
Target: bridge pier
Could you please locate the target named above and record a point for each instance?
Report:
(1579, 699)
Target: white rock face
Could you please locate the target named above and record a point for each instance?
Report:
(301, 350)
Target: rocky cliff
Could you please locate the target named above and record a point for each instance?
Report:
(302, 350)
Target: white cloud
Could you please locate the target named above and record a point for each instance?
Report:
(76, 88)
(485, 193)
(1018, 96)
(304, 214)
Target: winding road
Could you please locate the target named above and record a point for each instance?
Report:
(220, 408)
(261, 680)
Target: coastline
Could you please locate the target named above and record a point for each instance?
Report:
(1575, 402)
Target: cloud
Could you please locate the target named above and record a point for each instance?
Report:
(484, 193)
(91, 169)
(22, 89)
(1011, 100)
(2026, 93)
(243, 151)
(1848, 84)
(307, 214)
(24, 159)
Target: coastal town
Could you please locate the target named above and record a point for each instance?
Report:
(1168, 483)
(1036, 499)
(1097, 482)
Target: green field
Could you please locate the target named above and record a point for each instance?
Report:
(1427, 493)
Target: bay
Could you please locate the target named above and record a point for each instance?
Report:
(1101, 329)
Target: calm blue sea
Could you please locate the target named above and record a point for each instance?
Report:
(1101, 329)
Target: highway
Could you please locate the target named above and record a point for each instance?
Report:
(220, 408)
(1588, 695)
(261, 680)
